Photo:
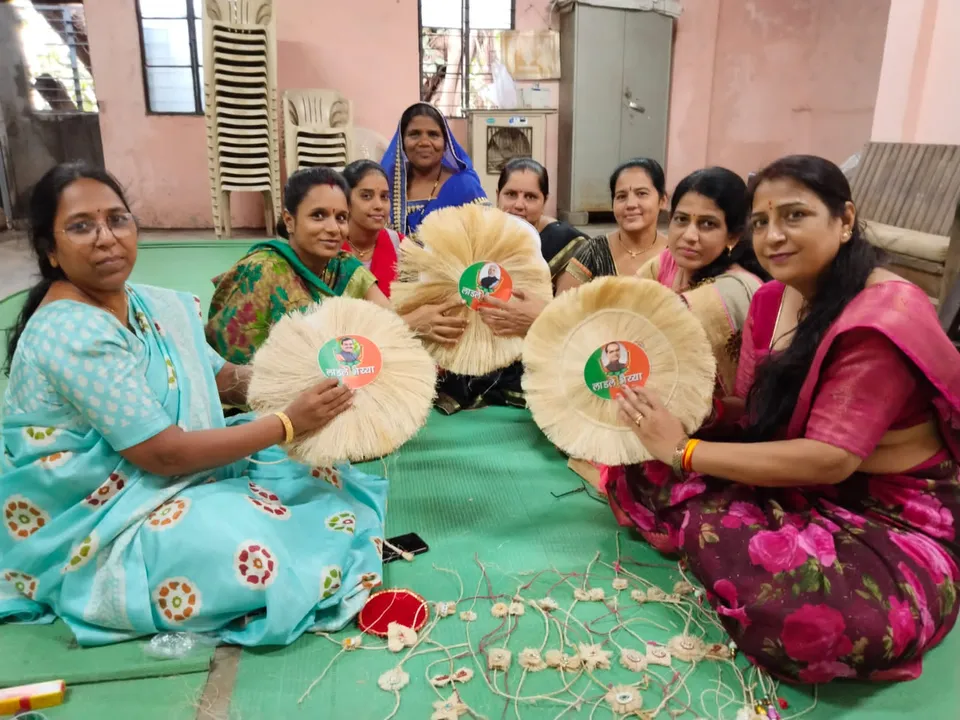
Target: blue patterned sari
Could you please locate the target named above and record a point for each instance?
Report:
(462, 188)
(255, 553)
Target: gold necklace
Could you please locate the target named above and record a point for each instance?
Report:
(359, 253)
(636, 253)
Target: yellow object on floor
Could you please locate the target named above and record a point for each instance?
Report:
(32, 697)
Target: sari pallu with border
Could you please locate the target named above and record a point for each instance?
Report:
(855, 580)
(560, 242)
(266, 284)
(721, 304)
(383, 262)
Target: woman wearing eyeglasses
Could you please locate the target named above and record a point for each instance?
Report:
(120, 465)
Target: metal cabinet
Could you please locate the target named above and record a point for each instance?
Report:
(614, 98)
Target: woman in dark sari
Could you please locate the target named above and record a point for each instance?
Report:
(638, 190)
(522, 191)
(826, 537)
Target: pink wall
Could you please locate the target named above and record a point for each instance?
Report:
(793, 76)
(162, 160)
(691, 88)
(919, 94)
(752, 80)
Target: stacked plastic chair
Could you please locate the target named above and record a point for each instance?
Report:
(318, 129)
(240, 73)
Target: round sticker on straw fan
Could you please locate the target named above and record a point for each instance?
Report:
(591, 342)
(365, 347)
(471, 253)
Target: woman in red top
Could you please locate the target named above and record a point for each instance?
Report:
(370, 241)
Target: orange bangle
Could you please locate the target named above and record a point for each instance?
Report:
(687, 461)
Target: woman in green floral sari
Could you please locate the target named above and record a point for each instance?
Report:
(278, 277)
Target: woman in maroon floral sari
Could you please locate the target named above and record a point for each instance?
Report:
(826, 537)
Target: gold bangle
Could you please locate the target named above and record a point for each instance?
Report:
(677, 464)
(287, 427)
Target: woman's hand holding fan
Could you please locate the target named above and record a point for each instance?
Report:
(612, 352)
(471, 256)
(512, 318)
(658, 429)
(351, 377)
(438, 323)
(315, 408)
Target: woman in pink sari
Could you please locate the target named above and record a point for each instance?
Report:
(710, 262)
(713, 267)
(826, 536)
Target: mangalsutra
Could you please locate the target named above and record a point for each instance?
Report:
(635, 253)
(433, 193)
(436, 183)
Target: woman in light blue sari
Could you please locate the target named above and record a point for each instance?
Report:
(130, 506)
(427, 168)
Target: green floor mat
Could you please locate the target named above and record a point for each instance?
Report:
(187, 266)
(35, 653)
(168, 698)
(480, 484)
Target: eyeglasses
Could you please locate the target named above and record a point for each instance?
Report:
(86, 232)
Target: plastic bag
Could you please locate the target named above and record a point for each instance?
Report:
(504, 87)
(176, 645)
(850, 164)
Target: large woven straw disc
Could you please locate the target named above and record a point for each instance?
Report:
(455, 239)
(386, 412)
(567, 344)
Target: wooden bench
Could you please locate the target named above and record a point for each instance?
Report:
(909, 197)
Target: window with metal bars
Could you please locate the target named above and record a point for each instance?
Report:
(459, 42)
(57, 55)
(171, 44)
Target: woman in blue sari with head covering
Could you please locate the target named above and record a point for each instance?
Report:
(427, 169)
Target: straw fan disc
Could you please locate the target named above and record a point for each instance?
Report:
(606, 333)
(373, 352)
(471, 252)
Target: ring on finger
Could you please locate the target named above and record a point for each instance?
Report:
(637, 419)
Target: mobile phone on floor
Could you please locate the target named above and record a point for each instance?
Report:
(411, 542)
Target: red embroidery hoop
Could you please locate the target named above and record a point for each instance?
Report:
(400, 606)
